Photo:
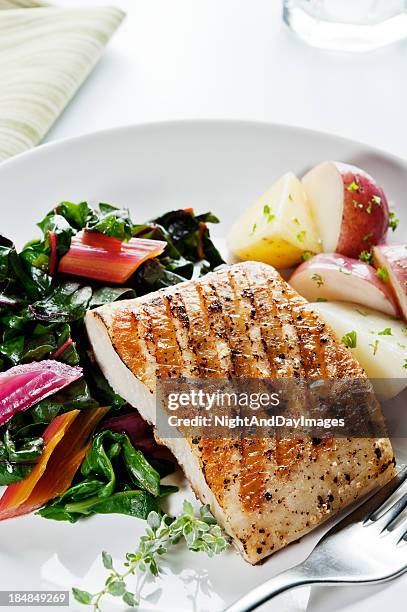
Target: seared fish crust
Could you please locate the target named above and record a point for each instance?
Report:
(242, 321)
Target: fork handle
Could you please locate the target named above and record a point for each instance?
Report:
(276, 585)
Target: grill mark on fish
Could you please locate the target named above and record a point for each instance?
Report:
(289, 451)
(294, 361)
(244, 302)
(167, 353)
(246, 366)
(248, 312)
(218, 460)
(228, 321)
(181, 325)
(199, 337)
(239, 344)
(146, 337)
(298, 368)
(128, 343)
(267, 315)
(253, 473)
(308, 329)
(214, 309)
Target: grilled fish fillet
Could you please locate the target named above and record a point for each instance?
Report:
(242, 321)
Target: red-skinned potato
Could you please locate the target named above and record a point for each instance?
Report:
(394, 259)
(350, 210)
(332, 277)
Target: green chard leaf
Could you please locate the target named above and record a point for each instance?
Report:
(102, 486)
(112, 221)
(18, 452)
(68, 302)
(132, 503)
(63, 232)
(142, 473)
(77, 215)
(105, 295)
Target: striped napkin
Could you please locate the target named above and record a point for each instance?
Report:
(46, 52)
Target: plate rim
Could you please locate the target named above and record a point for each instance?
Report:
(90, 138)
(60, 143)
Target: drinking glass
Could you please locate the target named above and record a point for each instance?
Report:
(349, 25)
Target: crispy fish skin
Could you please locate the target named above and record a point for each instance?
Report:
(242, 321)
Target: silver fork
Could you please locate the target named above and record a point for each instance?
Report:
(366, 547)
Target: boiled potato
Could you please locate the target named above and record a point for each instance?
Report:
(350, 209)
(278, 228)
(380, 342)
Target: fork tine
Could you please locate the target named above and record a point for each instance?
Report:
(388, 490)
(386, 520)
(399, 533)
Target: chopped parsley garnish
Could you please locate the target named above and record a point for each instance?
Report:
(254, 228)
(393, 221)
(375, 200)
(318, 279)
(366, 256)
(375, 346)
(290, 197)
(367, 236)
(385, 332)
(306, 255)
(301, 236)
(268, 213)
(383, 274)
(353, 186)
(295, 220)
(361, 312)
(350, 339)
(320, 299)
(345, 271)
(405, 364)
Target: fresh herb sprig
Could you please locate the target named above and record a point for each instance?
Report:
(199, 533)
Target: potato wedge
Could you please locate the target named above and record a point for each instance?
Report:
(278, 228)
(379, 343)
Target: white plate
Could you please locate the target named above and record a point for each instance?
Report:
(211, 165)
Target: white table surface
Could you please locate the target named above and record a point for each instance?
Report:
(175, 59)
